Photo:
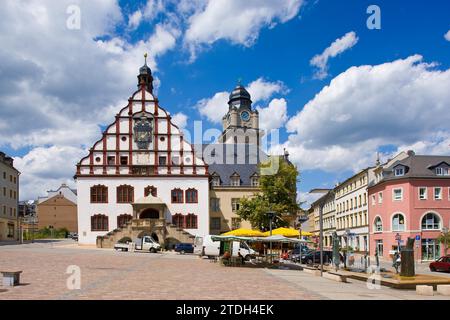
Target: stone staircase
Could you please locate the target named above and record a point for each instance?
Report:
(167, 233)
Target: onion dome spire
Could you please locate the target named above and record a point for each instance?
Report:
(145, 76)
(240, 97)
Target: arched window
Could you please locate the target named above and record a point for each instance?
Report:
(99, 194)
(125, 194)
(150, 190)
(191, 196)
(378, 225)
(191, 221)
(431, 221)
(178, 220)
(398, 222)
(123, 219)
(99, 222)
(177, 196)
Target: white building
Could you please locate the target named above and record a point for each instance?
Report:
(352, 211)
(142, 168)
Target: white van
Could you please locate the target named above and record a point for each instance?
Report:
(205, 246)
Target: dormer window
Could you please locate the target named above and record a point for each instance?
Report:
(400, 171)
(254, 180)
(215, 181)
(235, 180)
(442, 171)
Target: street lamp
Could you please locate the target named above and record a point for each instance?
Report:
(321, 204)
(270, 215)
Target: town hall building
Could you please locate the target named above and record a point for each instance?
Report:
(142, 170)
(143, 178)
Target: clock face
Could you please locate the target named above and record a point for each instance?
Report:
(245, 116)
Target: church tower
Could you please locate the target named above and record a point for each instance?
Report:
(241, 123)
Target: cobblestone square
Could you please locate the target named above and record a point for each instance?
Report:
(107, 274)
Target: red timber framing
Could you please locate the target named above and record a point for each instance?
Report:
(117, 143)
(156, 134)
(169, 146)
(181, 155)
(107, 169)
(130, 137)
(104, 154)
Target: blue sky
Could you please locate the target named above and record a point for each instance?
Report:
(194, 58)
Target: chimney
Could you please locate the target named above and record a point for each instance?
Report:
(410, 153)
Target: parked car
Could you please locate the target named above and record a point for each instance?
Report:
(297, 251)
(184, 248)
(205, 246)
(441, 264)
(313, 257)
(145, 243)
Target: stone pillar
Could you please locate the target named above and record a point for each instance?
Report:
(407, 259)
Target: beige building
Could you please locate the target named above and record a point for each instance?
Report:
(326, 201)
(224, 202)
(9, 198)
(233, 163)
(58, 209)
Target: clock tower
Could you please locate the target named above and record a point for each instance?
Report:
(241, 123)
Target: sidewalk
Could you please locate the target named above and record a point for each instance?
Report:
(353, 290)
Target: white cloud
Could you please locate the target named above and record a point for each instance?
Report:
(307, 198)
(261, 89)
(180, 119)
(447, 35)
(146, 13)
(163, 39)
(337, 47)
(55, 95)
(134, 20)
(402, 103)
(237, 21)
(216, 107)
(274, 115)
(45, 168)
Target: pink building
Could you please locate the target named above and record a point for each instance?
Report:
(410, 198)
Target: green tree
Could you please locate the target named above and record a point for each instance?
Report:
(278, 194)
(444, 238)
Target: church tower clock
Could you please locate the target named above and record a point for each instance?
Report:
(241, 123)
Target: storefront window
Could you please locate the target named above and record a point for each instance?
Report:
(430, 249)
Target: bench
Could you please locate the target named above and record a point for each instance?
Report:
(443, 289)
(311, 270)
(424, 290)
(335, 276)
(11, 278)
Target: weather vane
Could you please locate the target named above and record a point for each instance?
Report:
(145, 57)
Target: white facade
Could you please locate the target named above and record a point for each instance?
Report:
(112, 209)
(141, 148)
(352, 210)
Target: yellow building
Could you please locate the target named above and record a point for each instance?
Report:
(9, 195)
(58, 209)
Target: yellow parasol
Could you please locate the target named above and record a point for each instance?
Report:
(244, 233)
(288, 232)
